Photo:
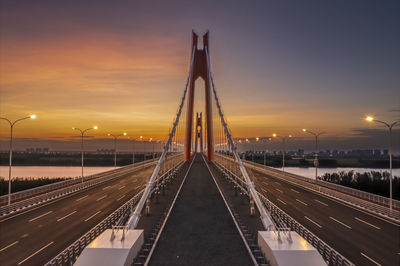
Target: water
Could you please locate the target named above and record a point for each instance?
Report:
(51, 171)
(310, 171)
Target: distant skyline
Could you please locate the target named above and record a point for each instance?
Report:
(279, 66)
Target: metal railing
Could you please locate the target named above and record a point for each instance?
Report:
(69, 255)
(283, 221)
(24, 194)
(42, 198)
(328, 190)
(352, 191)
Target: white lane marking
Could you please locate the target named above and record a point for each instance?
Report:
(317, 224)
(265, 191)
(302, 202)
(33, 219)
(279, 190)
(6, 247)
(295, 191)
(323, 203)
(265, 183)
(277, 183)
(137, 187)
(62, 218)
(120, 197)
(121, 187)
(22, 261)
(106, 187)
(281, 201)
(24, 235)
(105, 196)
(370, 259)
(92, 216)
(339, 222)
(358, 219)
(82, 198)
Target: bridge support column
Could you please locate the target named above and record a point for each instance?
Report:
(200, 69)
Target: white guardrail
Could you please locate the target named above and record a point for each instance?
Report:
(283, 220)
(69, 255)
(61, 192)
(354, 197)
(27, 193)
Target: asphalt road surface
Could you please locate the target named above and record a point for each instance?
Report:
(37, 235)
(363, 238)
(200, 230)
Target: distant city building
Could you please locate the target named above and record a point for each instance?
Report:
(37, 150)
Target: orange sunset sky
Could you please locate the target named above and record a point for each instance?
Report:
(124, 68)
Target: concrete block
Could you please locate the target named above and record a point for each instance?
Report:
(285, 253)
(104, 252)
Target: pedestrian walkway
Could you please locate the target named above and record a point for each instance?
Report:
(200, 230)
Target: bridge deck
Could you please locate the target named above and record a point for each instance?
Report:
(200, 230)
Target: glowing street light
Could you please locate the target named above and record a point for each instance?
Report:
(82, 133)
(11, 149)
(390, 126)
(283, 138)
(115, 145)
(316, 135)
(133, 148)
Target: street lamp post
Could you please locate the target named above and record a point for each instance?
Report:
(390, 126)
(265, 151)
(115, 146)
(133, 149)
(82, 134)
(284, 149)
(11, 149)
(316, 135)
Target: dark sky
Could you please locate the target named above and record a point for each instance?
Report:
(279, 65)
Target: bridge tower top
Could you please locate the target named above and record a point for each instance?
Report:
(200, 68)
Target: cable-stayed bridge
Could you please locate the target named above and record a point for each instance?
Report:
(199, 203)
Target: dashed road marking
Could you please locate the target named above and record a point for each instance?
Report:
(24, 235)
(281, 201)
(62, 218)
(10, 245)
(336, 220)
(120, 197)
(22, 261)
(367, 223)
(302, 202)
(317, 224)
(82, 198)
(279, 190)
(121, 187)
(370, 259)
(105, 196)
(40, 216)
(92, 216)
(104, 188)
(320, 202)
(298, 192)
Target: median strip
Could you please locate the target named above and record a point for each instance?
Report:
(33, 219)
(340, 222)
(22, 261)
(367, 223)
(62, 218)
